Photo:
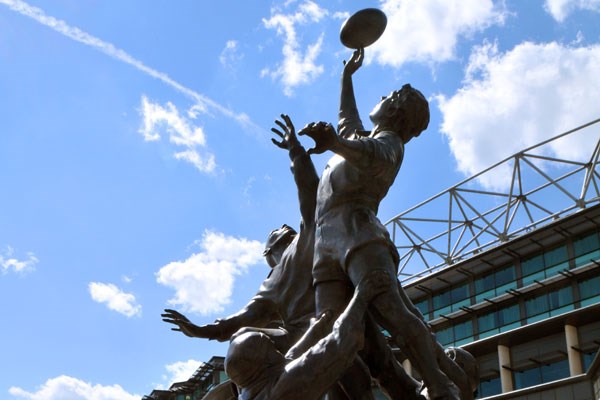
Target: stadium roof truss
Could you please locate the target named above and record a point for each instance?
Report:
(469, 218)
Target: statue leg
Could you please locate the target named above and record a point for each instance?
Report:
(384, 367)
(407, 330)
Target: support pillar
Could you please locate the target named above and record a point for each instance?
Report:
(572, 336)
(506, 378)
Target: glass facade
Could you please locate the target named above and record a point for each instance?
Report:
(489, 387)
(549, 304)
(456, 335)
(541, 374)
(499, 321)
(586, 249)
(589, 291)
(451, 300)
(544, 265)
(495, 283)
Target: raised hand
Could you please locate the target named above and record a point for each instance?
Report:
(355, 62)
(323, 134)
(184, 325)
(288, 136)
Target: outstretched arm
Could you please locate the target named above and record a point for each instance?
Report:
(349, 120)
(303, 168)
(256, 313)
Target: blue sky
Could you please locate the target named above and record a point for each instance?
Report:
(137, 170)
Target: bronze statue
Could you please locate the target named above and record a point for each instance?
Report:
(351, 243)
(261, 372)
(346, 253)
(287, 295)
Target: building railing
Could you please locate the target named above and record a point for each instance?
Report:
(463, 220)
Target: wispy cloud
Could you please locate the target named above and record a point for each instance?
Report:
(111, 50)
(67, 387)
(561, 9)
(298, 67)
(204, 282)
(231, 55)
(157, 120)
(516, 99)
(428, 30)
(114, 298)
(8, 261)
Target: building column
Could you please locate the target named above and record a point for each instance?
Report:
(506, 378)
(407, 366)
(575, 366)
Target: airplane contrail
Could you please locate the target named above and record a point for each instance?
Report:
(109, 49)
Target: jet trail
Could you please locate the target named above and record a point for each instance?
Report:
(109, 49)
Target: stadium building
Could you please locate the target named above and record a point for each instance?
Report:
(505, 264)
(512, 275)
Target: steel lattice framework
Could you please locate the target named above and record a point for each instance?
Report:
(465, 219)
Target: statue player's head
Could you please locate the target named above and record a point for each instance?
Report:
(278, 240)
(251, 356)
(404, 111)
(466, 362)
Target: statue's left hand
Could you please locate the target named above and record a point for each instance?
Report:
(288, 136)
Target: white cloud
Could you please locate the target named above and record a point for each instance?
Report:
(204, 282)
(66, 387)
(111, 50)
(114, 298)
(560, 9)
(516, 99)
(298, 66)
(428, 30)
(181, 371)
(158, 120)
(230, 55)
(8, 262)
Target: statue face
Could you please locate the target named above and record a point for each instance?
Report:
(277, 242)
(381, 109)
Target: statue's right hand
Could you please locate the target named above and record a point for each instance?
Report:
(355, 62)
(323, 134)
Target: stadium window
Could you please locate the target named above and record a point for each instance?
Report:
(423, 306)
(589, 291)
(586, 249)
(489, 387)
(495, 283)
(451, 300)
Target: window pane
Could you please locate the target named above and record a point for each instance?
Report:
(445, 336)
(561, 297)
(484, 283)
(505, 276)
(489, 388)
(555, 371)
(533, 264)
(441, 300)
(463, 330)
(586, 249)
(509, 315)
(423, 307)
(486, 322)
(527, 378)
(590, 287)
(536, 307)
(556, 260)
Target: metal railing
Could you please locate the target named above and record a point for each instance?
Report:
(466, 219)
